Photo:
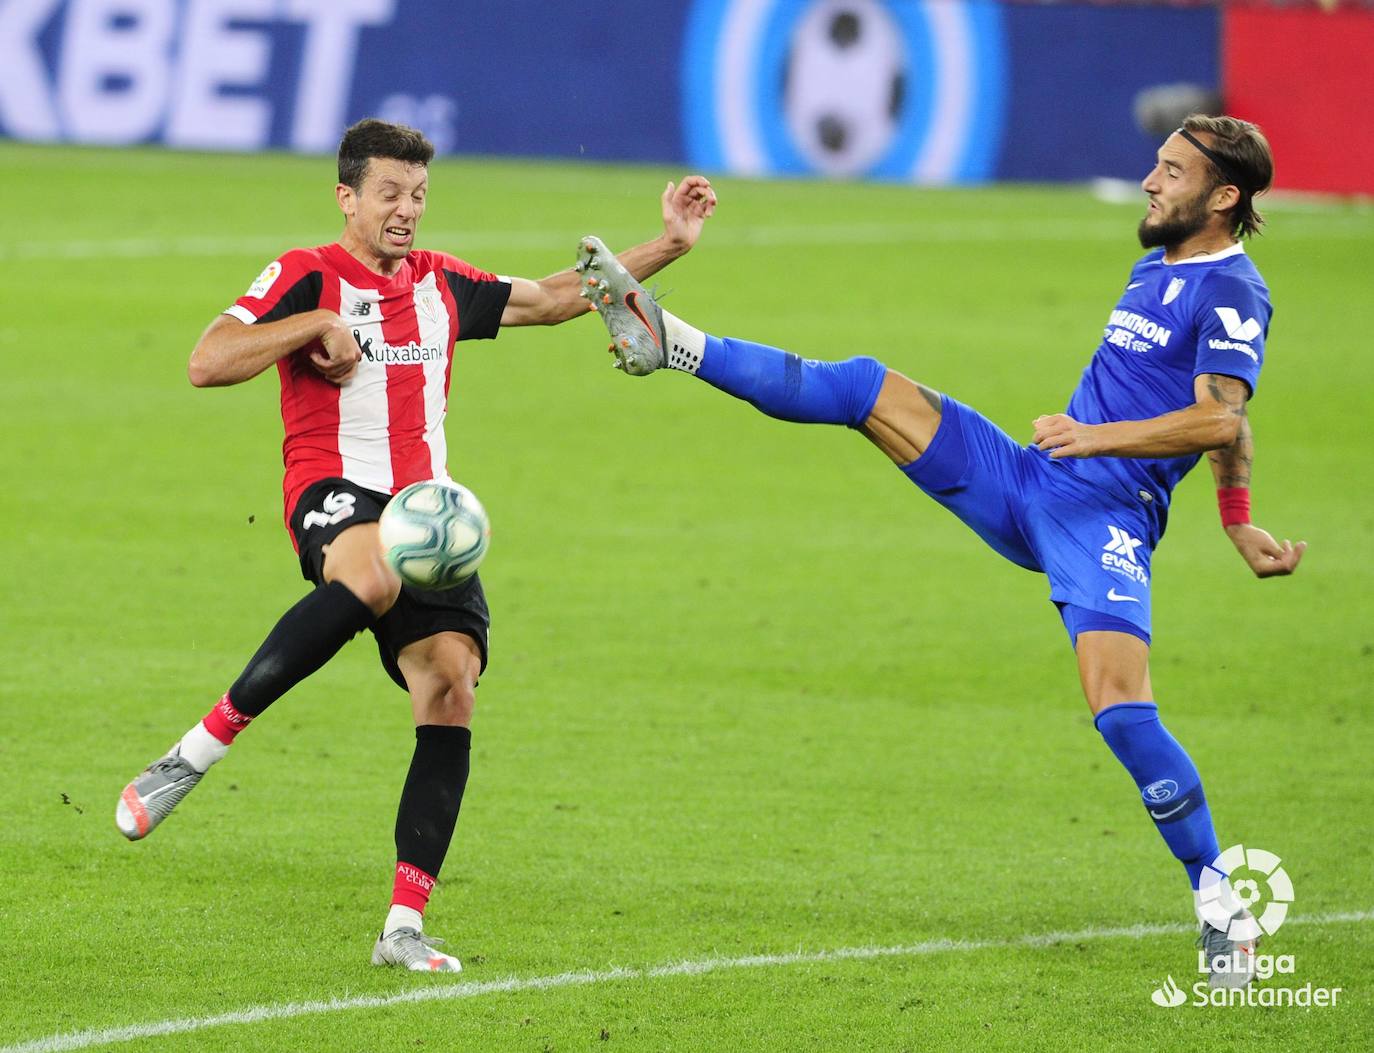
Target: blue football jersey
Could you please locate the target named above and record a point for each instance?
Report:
(1208, 314)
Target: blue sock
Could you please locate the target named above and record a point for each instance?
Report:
(785, 386)
(1169, 783)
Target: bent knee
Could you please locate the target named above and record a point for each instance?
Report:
(1112, 693)
(370, 580)
(451, 704)
(904, 418)
(354, 558)
(376, 589)
(1112, 686)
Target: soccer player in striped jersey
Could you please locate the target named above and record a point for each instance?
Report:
(362, 332)
(1085, 503)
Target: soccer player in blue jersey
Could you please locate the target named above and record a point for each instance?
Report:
(1085, 503)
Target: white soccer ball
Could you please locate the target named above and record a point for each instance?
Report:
(845, 85)
(435, 534)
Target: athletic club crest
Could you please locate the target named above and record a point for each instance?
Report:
(1175, 287)
(430, 305)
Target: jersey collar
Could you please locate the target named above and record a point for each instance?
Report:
(359, 276)
(1238, 249)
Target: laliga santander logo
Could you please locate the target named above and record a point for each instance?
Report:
(1170, 995)
(1238, 880)
(1250, 871)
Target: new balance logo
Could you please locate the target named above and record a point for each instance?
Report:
(1123, 544)
(1235, 328)
(361, 309)
(333, 509)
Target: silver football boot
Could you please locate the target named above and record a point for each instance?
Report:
(150, 798)
(1237, 956)
(411, 949)
(634, 319)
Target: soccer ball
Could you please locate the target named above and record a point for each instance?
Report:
(435, 534)
(844, 85)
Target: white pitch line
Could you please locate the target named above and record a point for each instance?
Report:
(586, 978)
(940, 232)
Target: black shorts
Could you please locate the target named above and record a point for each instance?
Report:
(325, 510)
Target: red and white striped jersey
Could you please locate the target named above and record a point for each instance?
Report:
(384, 429)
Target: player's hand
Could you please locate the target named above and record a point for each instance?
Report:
(686, 207)
(1265, 556)
(1064, 437)
(337, 355)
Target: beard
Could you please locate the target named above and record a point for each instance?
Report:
(1168, 232)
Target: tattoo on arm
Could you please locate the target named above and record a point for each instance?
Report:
(1232, 464)
(1229, 391)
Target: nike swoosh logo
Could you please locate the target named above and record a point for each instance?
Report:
(1165, 815)
(632, 302)
(1134, 285)
(1112, 594)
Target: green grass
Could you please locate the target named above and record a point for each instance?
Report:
(751, 692)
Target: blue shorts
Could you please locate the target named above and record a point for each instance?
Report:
(1093, 544)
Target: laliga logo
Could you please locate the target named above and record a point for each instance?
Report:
(1250, 871)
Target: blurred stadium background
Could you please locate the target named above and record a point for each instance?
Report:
(859, 740)
(941, 91)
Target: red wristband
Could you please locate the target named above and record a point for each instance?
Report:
(1234, 502)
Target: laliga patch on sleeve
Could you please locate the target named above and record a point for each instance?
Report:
(265, 280)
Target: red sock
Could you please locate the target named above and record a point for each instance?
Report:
(224, 721)
(412, 887)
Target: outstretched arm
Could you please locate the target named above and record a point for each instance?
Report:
(231, 351)
(1210, 423)
(555, 299)
(1231, 467)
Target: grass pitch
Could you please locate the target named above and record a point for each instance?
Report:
(751, 693)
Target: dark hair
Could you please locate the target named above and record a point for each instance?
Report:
(373, 138)
(1248, 164)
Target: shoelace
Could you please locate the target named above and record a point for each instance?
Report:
(167, 764)
(411, 934)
